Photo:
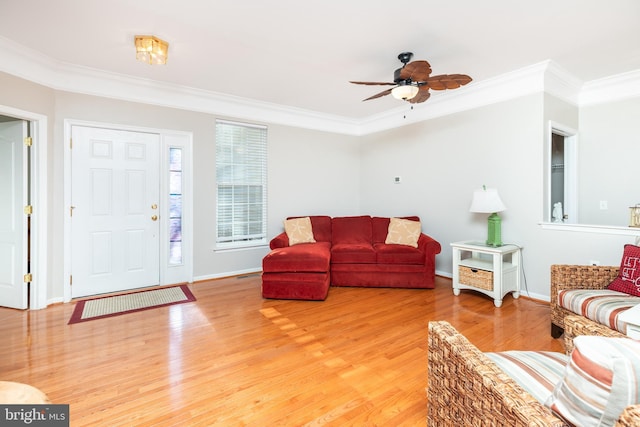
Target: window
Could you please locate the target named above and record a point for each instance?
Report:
(241, 177)
(175, 206)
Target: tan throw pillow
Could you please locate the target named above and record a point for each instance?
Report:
(403, 232)
(299, 230)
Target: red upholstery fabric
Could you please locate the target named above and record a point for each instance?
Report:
(398, 254)
(381, 276)
(305, 257)
(350, 253)
(299, 286)
(351, 229)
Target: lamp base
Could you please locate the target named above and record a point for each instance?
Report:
(494, 235)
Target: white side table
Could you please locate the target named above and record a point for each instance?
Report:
(494, 271)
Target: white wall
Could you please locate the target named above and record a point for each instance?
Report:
(609, 161)
(442, 161)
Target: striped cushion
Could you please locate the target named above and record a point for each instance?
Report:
(600, 381)
(538, 372)
(602, 306)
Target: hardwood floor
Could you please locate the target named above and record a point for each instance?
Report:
(233, 359)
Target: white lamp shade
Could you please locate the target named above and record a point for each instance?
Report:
(486, 201)
(404, 92)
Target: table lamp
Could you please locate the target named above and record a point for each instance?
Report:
(487, 200)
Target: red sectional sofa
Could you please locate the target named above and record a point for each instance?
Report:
(348, 251)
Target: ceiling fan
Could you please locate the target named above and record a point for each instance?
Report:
(412, 82)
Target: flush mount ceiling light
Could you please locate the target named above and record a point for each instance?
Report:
(151, 49)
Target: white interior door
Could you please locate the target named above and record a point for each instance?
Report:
(13, 221)
(114, 214)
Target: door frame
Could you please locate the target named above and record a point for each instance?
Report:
(168, 138)
(39, 191)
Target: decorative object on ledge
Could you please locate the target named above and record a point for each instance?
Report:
(634, 217)
(151, 50)
(487, 200)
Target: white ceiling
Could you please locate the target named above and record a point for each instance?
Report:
(302, 54)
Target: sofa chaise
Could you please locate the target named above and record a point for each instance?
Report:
(360, 251)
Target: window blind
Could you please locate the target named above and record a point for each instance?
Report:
(241, 180)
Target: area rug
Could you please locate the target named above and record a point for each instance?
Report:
(99, 308)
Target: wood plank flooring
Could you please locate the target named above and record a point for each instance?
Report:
(234, 359)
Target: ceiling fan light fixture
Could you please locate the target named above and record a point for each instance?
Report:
(404, 91)
(151, 49)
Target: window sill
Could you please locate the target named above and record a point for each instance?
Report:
(590, 228)
(241, 247)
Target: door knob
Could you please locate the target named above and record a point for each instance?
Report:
(154, 218)
(154, 206)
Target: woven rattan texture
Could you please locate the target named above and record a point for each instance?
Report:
(576, 277)
(578, 325)
(467, 389)
(481, 279)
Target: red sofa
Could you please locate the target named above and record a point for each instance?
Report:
(349, 251)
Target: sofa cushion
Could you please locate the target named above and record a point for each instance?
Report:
(299, 230)
(305, 257)
(600, 305)
(537, 372)
(351, 229)
(403, 232)
(628, 280)
(380, 227)
(602, 378)
(352, 253)
(321, 226)
(397, 254)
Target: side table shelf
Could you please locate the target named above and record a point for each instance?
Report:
(494, 271)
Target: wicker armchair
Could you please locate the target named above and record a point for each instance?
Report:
(575, 277)
(466, 388)
(575, 325)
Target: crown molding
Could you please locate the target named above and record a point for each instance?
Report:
(610, 89)
(546, 76)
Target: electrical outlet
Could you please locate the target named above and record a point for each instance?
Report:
(604, 205)
(594, 262)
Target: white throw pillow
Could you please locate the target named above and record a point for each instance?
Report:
(299, 230)
(403, 232)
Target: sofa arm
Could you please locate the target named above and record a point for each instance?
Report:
(280, 241)
(575, 325)
(576, 277)
(467, 388)
(429, 245)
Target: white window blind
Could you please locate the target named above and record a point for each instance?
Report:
(241, 179)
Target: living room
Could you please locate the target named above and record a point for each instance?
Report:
(492, 132)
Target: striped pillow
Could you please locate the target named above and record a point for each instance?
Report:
(537, 372)
(601, 380)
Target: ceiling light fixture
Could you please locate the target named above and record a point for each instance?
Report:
(151, 49)
(404, 91)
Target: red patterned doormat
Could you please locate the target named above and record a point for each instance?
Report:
(100, 308)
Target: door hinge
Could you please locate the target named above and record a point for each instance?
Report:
(71, 143)
(28, 210)
(27, 278)
(71, 280)
(28, 141)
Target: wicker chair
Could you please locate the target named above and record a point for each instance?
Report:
(575, 277)
(466, 388)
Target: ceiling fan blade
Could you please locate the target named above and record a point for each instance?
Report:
(422, 95)
(447, 81)
(378, 95)
(417, 71)
(374, 83)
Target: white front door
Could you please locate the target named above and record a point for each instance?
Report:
(13, 221)
(114, 210)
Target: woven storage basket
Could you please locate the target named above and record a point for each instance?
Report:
(475, 277)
